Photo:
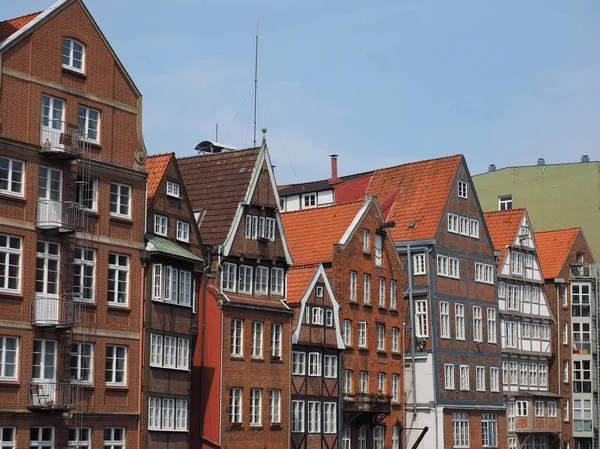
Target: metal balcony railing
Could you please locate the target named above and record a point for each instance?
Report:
(579, 270)
(62, 139)
(367, 402)
(53, 214)
(53, 396)
(50, 311)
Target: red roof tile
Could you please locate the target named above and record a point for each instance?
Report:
(156, 165)
(298, 279)
(415, 191)
(553, 248)
(503, 226)
(310, 233)
(11, 26)
(216, 184)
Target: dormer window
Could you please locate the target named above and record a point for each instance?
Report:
(73, 55)
(309, 200)
(173, 189)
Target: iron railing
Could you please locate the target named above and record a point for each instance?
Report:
(52, 214)
(52, 311)
(62, 138)
(367, 402)
(53, 396)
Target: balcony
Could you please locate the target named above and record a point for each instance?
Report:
(62, 140)
(581, 271)
(367, 403)
(48, 311)
(52, 396)
(64, 216)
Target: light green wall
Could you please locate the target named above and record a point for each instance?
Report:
(555, 196)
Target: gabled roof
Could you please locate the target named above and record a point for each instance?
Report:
(316, 186)
(553, 247)
(156, 165)
(298, 278)
(415, 191)
(503, 226)
(311, 233)
(11, 26)
(168, 247)
(216, 184)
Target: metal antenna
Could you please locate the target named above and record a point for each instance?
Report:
(217, 133)
(255, 80)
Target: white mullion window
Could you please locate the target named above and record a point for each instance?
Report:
(170, 352)
(12, 176)
(347, 332)
(81, 363)
(454, 268)
(347, 381)
(235, 405)
(464, 225)
(460, 430)
(181, 414)
(174, 285)
(168, 414)
(41, 437)
(270, 229)
(480, 378)
(298, 416)
(491, 325)
(10, 263)
(422, 326)
(275, 407)
(183, 353)
(363, 382)
(380, 337)
(84, 274)
(183, 231)
(366, 289)
(255, 407)
(393, 294)
(395, 339)
(276, 340)
(261, 283)
(157, 282)
(161, 225)
(156, 350)
(489, 274)
(79, 438)
(477, 324)
(330, 369)
(459, 321)
(449, 376)
(516, 263)
(277, 281)
(395, 383)
(89, 124)
(116, 365)
(381, 302)
(9, 351)
(245, 279)
(464, 377)
(474, 228)
(237, 328)
(118, 279)
(228, 277)
(479, 272)
(257, 340)
(329, 417)
(314, 364)
(444, 319)
(120, 200)
(453, 223)
(114, 438)
(419, 264)
(494, 379)
(47, 274)
(172, 189)
(86, 193)
(73, 55)
(353, 276)
(462, 189)
(314, 417)
(362, 334)
(298, 363)
(185, 288)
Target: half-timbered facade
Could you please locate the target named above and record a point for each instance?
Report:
(353, 243)
(316, 359)
(534, 418)
(244, 357)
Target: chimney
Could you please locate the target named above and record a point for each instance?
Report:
(541, 161)
(585, 158)
(334, 172)
(492, 167)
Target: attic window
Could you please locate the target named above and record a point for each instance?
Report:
(73, 55)
(173, 189)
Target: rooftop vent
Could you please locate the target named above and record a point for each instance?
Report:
(492, 167)
(585, 158)
(210, 147)
(541, 161)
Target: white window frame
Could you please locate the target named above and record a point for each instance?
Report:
(5, 375)
(183, 231)
(277, 281)
(347, 381)
(116, 437)
(463, 189)
(421, 319)
(309, 200)
(245, 279)
(229, 277)
(539, 409)
(492, 324)
(330, 366)
(81, 363)
(522, 408)
(85, 120)
(442, 265)
(298, 363)
(235, 405)
(460, 430)
(477, 324)
(449, 376)
(381, 299)
(362, 334)
(40, 441)
(353, 278)
(366, 288)
(15, 177)
(69, 50)
(347, 332)
(501, 289)
(261, 280)
(395, 347)
(161, 225)
(394, 389)
(489, 430)
(380, 337)
(256, 342)
(276, 336)
(464, 225)
(453, 268)
(114, 269)
(366, 241)
(459, 321)
(480, 378)
(363, 382)
(314, 417)
(114, 370)
(255, 407)
(81, 267)
(464, 377)
(516, 263)
(393, 294)
(237, 338)
(173, 189)
(444, 319)
(10, 250)
(79, 438)
(86, 192)
(122, 190)
(275, 406)
(419, 264)
(453, 223)
(378, 249)
(474, 228)
(317, 316)
(505, 202)
(298, 419)
(494, 379)
(315, 364)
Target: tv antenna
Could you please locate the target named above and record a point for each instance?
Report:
(255, 80)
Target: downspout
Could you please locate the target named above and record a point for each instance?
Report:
(144, 371)
(204, 284)
(558, 336)
(339, 417)
(413, 346)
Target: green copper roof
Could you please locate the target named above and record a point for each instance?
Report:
(165, 246)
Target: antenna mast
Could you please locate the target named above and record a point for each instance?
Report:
(255, 80)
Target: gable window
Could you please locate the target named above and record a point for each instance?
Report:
(317, 316)
(314, 364)
(462, 189)
(453, 223)
(251, 226)
(464, 226)
(73, 54)
(378, 250)
(11, 176)
(267, 228)
(319, 291)
(172, 189)
(353, 276)
(245, 281)
(298, 363)
(479, 272)
(309, 200)
(120, 200)
(183, 231)
(330, 362)
(329, 318)
(529, 260)
(421, 330)
(86, 193)
(10, 262)
(474, 228)
(444, 319)
(262, 280)
(505, 202)
(347, 332)
(489, 274)
(277, 275)
(514, 296)
(366, 244)
(228, 277)
(118, 279)
(419, 264)
(393, 294)
(89, 124)
(516, 263)
(161, 225)
(366, 289)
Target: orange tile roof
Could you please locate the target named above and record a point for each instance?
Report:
(311, 233)
(415, 191)
(553, 248)
(298, 279)
(503, 226)
(11, 26)
(156, 165)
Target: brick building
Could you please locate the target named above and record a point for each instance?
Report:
(174, 262)
(528, 334)
(571, 278)
(243, 368)
(72, 198)
(453, 386)
(316, 358)
(354, 245)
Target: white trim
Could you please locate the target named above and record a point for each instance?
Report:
(319, 273)
(357, 218)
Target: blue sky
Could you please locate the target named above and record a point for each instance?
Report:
(501, 82)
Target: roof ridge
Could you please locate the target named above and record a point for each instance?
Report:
(161, 154)
(21, 17)
(323, 207)
(324, 179)
(559, 230)
(518, 209)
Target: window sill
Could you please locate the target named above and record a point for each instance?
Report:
(349, 346)
(73, 72)
(119, 219)
(169, 430)
(382, 308)
(367, 304)
(381, 351)
(117, 387)
(236, 426)
(255, 427)
(9, 383)
(353, 302)
(257, 360)
(12, 295)
(237, 358)
(366, 253)
(116, 308)
(396, 353)
(362, 348)
(87, 304)
(276, 426)
(16, 198)
(276, 360)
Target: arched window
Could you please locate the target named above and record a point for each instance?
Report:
(73, 54)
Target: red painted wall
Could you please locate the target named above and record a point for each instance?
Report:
(352, 190)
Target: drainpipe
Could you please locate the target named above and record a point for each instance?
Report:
(558, 336)
(413, 343)
(205, 272)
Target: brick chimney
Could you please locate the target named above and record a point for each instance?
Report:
(334, 172)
